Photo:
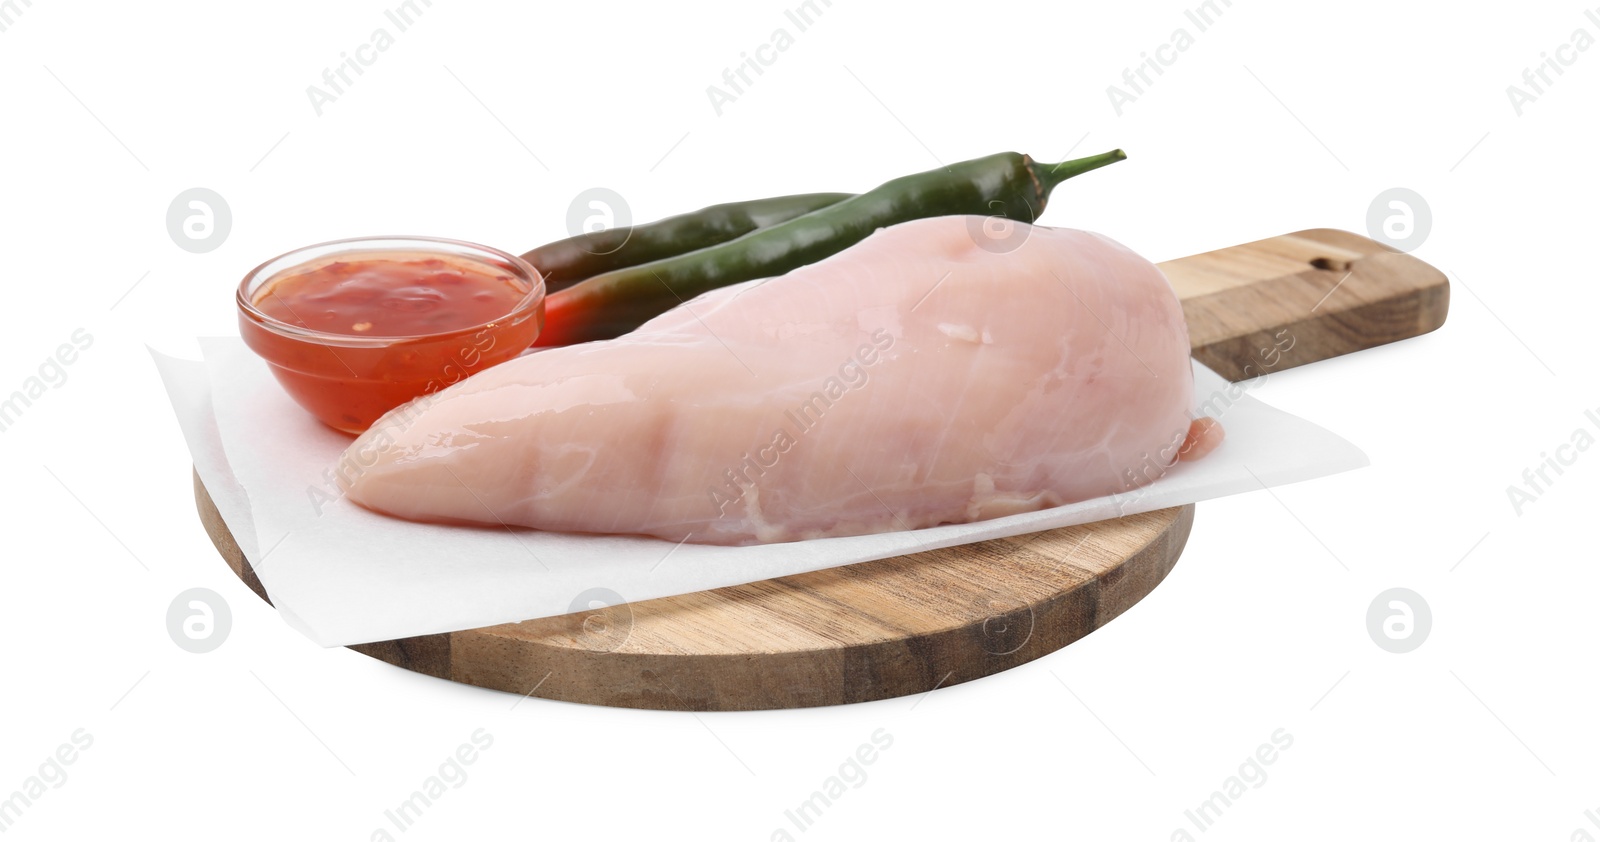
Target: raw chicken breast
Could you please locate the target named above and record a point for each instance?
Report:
(912, 380)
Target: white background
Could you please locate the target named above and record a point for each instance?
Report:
(483, 121)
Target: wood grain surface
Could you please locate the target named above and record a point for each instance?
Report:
(914, 623)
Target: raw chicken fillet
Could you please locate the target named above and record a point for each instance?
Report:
(914, 379)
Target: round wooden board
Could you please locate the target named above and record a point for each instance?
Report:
(873, 630)
(910, 624)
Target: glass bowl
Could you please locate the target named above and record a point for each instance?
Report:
(349, 380)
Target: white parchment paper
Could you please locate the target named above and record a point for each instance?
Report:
(342, 574)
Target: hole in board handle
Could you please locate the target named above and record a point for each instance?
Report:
(1328, 264)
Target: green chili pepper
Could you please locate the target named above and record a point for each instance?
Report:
(1008, 185)
(566, 262)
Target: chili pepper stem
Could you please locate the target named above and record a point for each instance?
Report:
(1050, 175)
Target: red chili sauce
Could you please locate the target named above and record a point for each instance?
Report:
(393, 295)
(424, 321)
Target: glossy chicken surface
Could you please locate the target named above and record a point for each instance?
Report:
(914, 379)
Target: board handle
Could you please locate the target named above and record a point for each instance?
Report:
(1297, 298)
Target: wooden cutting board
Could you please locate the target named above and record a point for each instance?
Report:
(915, 623)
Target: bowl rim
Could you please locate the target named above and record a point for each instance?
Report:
(524, 307)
